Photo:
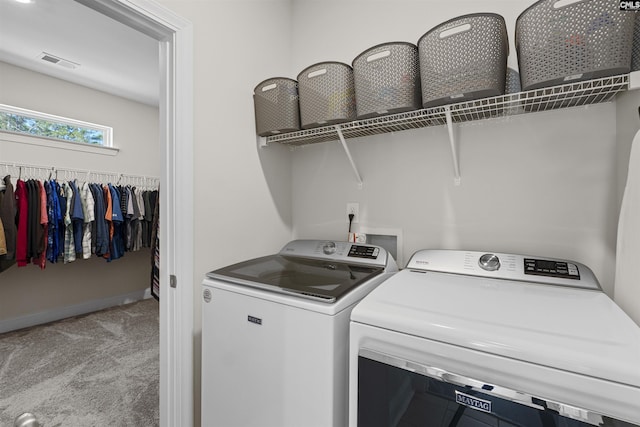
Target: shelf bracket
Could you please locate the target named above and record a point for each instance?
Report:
(262, 141)
(454, 147)
(346, 150)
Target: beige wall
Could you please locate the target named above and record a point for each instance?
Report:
(27, 292)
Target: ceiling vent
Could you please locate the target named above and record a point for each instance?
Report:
(58, 61)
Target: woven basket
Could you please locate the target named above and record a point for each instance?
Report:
(463, 59)
(276, 106)
(327, 94)
(559, 41)
(387, 79)
(635, 52)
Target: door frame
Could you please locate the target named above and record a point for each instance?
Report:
(175, 37)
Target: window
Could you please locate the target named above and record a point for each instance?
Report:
(42, 125)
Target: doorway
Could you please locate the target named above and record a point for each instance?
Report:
(175, 37)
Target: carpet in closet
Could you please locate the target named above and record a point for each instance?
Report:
(99, 369)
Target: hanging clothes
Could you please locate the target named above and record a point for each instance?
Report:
(3, 240)
(132, 213)
(101, 226)
(77, 217)
(33, 219)
(69, 241)
(148, 218)
(46, 220)
(41, 258)
(128, 219)
(88, 212)
(8, 216)
(62, 230)
(22, 225)
(139, 227)
(108, 216)
(55, 221)
(155, 251)
(117, 242)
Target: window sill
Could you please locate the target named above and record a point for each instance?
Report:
(55, 143)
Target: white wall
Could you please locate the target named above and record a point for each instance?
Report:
(627, 124)
(135, 125)
(28, 293)
(542, 184)
(242, 194)
(627, 292)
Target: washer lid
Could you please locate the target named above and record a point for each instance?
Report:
(572, 329)
(320, 279)
(320, 270)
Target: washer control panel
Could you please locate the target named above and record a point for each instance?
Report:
(351, 253)
(550, 268)
(360, 251)
(521, 268)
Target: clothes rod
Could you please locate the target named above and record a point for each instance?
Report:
(72, 173)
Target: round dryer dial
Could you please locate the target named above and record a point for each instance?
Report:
(489, 262)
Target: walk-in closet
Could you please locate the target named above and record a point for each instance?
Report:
(78, 321)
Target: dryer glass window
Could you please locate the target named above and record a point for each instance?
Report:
(389, 396)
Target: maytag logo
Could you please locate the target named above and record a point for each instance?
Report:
(473, 402)
(630, 5)
(255, 320)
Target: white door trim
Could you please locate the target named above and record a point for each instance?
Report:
(175, 36)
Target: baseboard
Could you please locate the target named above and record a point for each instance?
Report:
(59, 313)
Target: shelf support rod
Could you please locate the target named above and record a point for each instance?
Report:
(346, 150)
(454, 148)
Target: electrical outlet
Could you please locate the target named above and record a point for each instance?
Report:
(353, 208)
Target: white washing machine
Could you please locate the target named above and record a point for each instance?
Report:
(472, 339)
(275, 334)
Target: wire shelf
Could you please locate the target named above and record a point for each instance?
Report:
(545, 99)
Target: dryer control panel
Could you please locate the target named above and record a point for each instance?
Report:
(523, 268)
(550, 268)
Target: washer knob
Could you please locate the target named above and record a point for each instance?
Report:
(329, 248)
(489, 262)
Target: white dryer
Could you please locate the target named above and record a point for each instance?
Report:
(275, 334)
(473, 339)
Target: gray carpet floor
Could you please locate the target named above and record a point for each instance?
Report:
(100, 369)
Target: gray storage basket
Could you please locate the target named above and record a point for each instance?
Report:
(387, 79)
(561, 43)
(635, 52)
(464, 59)
(327, 94)
(276, 106)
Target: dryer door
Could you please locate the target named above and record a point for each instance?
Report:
(399, 393)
